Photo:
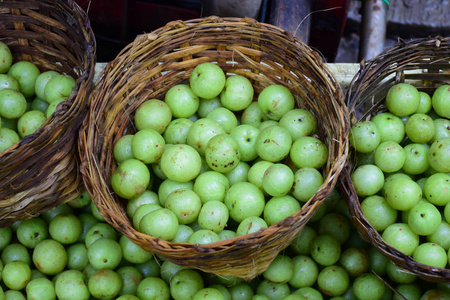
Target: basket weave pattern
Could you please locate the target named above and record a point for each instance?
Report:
(152, 64)
(424, 63)
(42, 170)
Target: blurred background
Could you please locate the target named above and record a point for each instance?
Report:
(343, 31)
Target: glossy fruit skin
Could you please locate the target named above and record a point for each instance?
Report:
(41, 288)
(153, 114)
(272, 290)
(207, 105)
(402, 99)
(177, 130)
(368, 286)
(208, 293)
(50, 257)
(253, 115)
(424, 103)
(436, 189)
(59, 87)
(6, 59)
(420, 128)
(130, 179)
(307, 181)
(65, 228)
(222, 153)
(70, 285)
(367, 180)
(41, 82)
(225, 117)
(186, 205)
(132, 252)
(279, 208)
(8, 137)
(12, 104)
(299, 122)
(26, 74)
(278, 180)
(7, 81)
(378, 212)
(309, 152)
(160, 223)
(181, 163)
(431, 254)
(401, 237)
(16, 275)
(403, 193)
(243, 200)
(280, 270)
(105, 254)
(210, 186)
(389, 156)
(275, 100)
(105, 284)
(31, 231)
(440, 101)
(424, 218)
(325, 250)
(442, 129)
(355, 261)
(182, 101)
(147, 145)
(151, 287)
(416, 159)
(237, 94)
(365, 136)
(333, 280)
(213, 216)
(207, 80)
(185, 284)
(250, 225)
(438, 155)
(273, 143)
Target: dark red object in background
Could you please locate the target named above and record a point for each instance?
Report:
(117, 22)
(328, 20)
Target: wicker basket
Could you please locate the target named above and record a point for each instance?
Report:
(424, 63)
(42, 170)
(152, 64)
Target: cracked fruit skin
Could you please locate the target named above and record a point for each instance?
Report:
(130, 179)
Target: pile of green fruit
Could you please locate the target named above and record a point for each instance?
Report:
(27, 96)
(71, 253)
(208, 163)
(403, 172)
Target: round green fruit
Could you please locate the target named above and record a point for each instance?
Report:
(181, 163)
(275, 100)
(402, 99)
(130, 179)
(441, 101)
(207, 80)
